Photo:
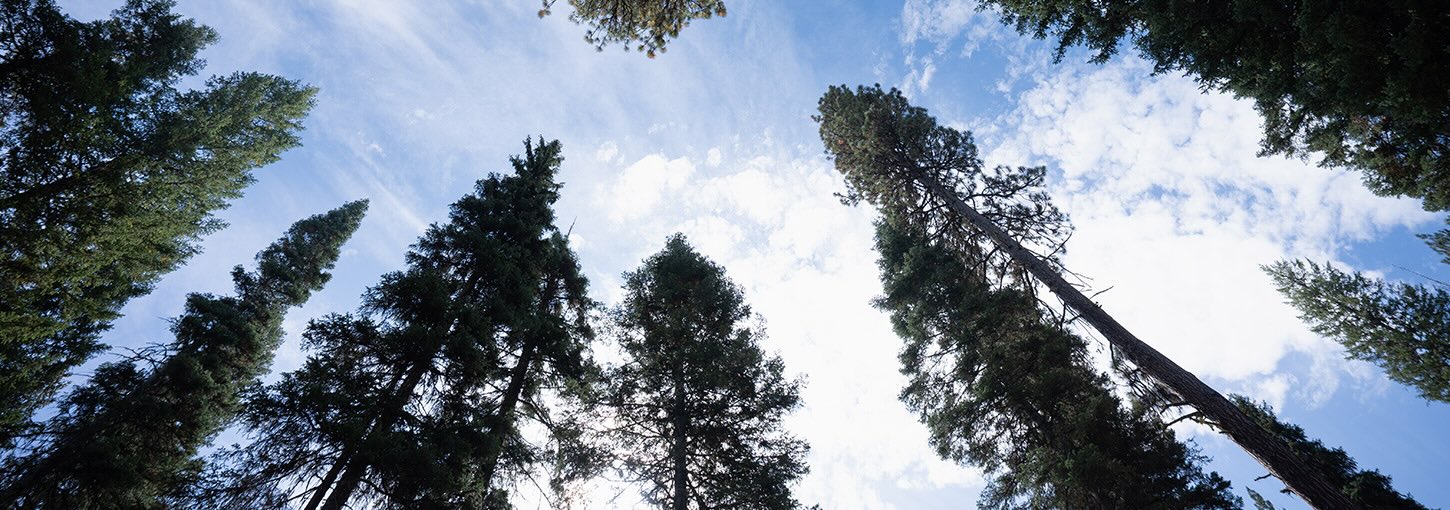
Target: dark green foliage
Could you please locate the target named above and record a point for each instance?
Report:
(1001, 388)
(1403, 328)
(699, 405)
(415, 401)
(1440, 242)
(129, 437)
(1368, 489)
(1360, 82)
(998, 384)
(884, 147)
(110, 174)
(645, 25)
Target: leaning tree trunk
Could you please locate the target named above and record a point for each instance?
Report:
(344, 459)
(1269, 450)
(331, 477)
(505, 417)
(518, 377)
(352, 476)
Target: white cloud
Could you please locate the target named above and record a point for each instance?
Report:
(641, 186)
(941, 22)
(807, 265)
(1175, 212)
(607, 152)
(1272, 389)
(919, 78)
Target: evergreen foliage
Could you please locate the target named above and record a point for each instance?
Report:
(927, 177)
(698, 404)
(1403, 328)
(1369, 490)
(128, 438)
(416, 400)
(645, 25)
(110, 174)
(1361, 83)
(1440, 242)
(884, 148)
(1000, 387)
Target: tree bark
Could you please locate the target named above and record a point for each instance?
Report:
(506, 409)
(356, 468)
(517, 377)
(679, 420)
(328, 480)
(1263, 446)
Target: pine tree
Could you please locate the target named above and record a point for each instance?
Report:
(416, 401)
(1359, 83)
(896, 157)
(698, 404)
(1000, 387)
(1369, 490)
(645, 25)
(110, 174)
(1403, 328)
(129, 437)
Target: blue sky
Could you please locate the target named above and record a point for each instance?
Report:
(714, 138)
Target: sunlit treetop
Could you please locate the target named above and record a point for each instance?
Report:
(891, 153)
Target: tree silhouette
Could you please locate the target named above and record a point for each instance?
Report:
(896, 157)
(129, 437)
(698, 404)
(414, 401)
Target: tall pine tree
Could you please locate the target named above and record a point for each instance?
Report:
(1403, 328)
(109, 175)
(1001, 387)
(896, 157)
(417, 400)
(645, 25)
(698, 404)
(1360, 83)
(129, 437)
(1367, 489)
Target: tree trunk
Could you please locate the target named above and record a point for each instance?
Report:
(342, 461)
(1268, 449)
(517, 377)
(677, 449)
(356, 468)
(506, 410)
(328, 480)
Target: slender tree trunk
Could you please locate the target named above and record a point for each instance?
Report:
(677, 449)
(506, 410)
(356, 468)
(517, 377)
(1266, 448)
(328, 480)
(342, 460)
